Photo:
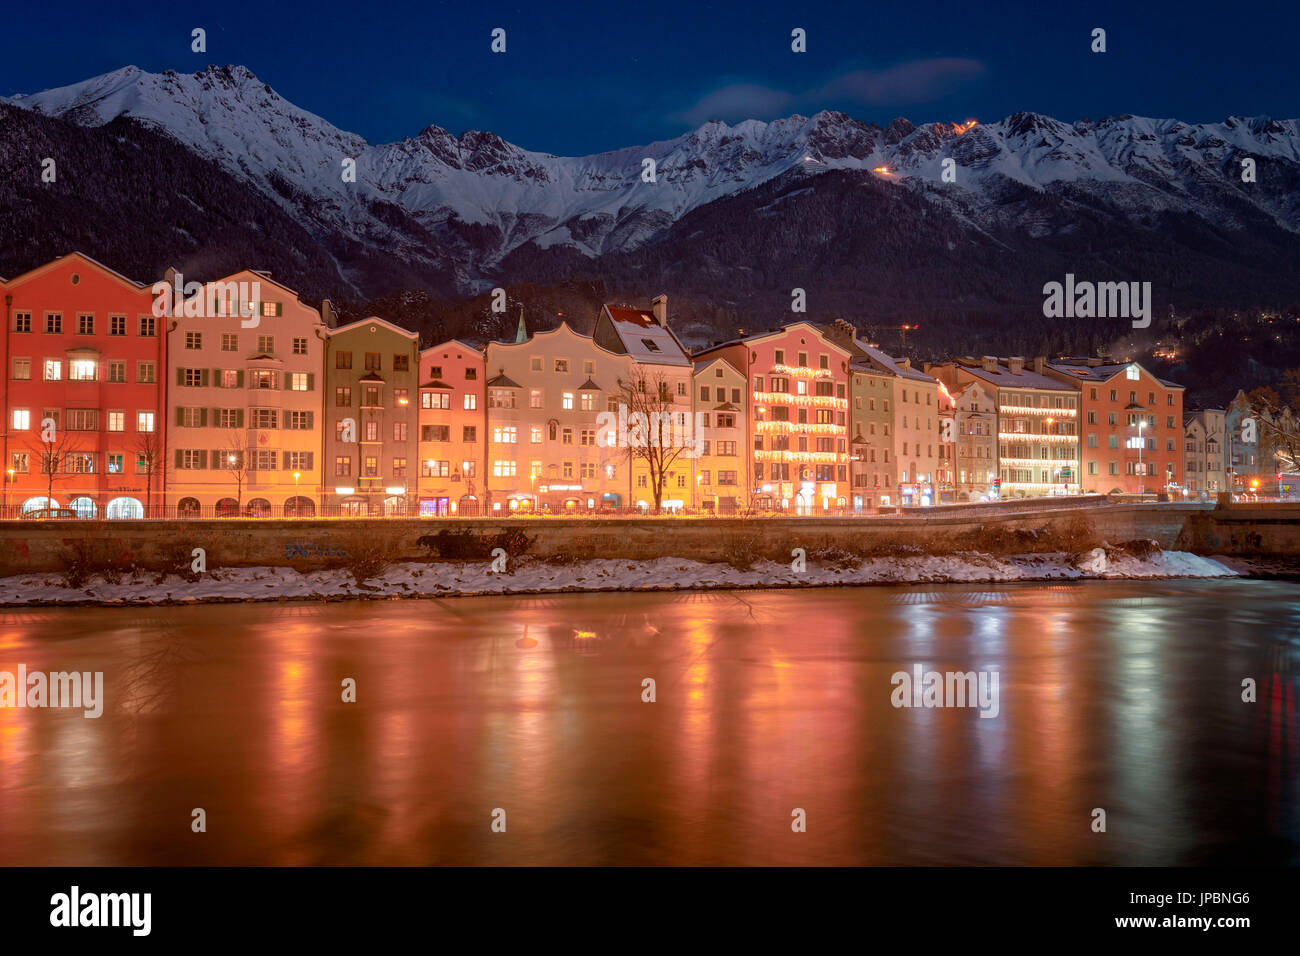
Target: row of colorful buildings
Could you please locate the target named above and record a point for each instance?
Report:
(234, 397)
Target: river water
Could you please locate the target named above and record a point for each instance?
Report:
(770, 707)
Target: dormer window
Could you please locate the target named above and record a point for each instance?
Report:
(650, 344)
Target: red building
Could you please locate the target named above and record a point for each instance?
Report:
(83, 392)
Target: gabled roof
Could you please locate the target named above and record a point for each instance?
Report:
(705, 364)
(589, 386)
(642, 338)
(502, 381)
(77, 256)
(1004, 377)
(880, 360)
(448, 344)
(371, 377)
(437, 383)
(374, 319)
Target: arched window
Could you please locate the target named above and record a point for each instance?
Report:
(124, 508)
(187, 508)
(85, 507)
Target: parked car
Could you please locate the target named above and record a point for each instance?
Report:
(45, 513)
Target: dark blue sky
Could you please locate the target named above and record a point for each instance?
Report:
(581, 77)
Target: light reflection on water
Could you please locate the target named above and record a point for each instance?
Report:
(1123, 696)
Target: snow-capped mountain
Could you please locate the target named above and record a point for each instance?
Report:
(463, 204)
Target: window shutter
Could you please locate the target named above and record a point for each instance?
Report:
(180, 414)
(239, 378)
(203, 377)
(311, 420)
(239, 418)
(179, 455)
(203, 418)
(285, 459)
(279, 308)
(311, 381)
(311, 456)
(203, 459)
(285, 418)
(180, 376)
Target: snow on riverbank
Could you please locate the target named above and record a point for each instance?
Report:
(445, 579)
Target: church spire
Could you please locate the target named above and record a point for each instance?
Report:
(522, 334)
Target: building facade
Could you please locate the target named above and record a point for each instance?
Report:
(799, 431)
(976, 420)
(1037, 422)
(371, 424)
(453, 441)
(545, 451)
(1205, 444)
(84, 363)
(244, 401)
(723, 477)
(1132, 426)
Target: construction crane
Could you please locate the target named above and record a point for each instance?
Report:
(902, 330)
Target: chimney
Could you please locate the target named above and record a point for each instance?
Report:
(903, 362)
(1040, 364)
(1016, 364)
(841, 331)
(327, 314)
(659, 304)
(989, 363)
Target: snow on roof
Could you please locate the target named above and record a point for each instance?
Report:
(890, 365)
(1003, 376)
(644, 339)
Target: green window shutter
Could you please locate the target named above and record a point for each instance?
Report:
(179, 454)
(285, 459)
(239, 379)
(311, 381)
(180, 376)
(239, 418)
(311, 460)
(285, 418)
(203, 418)
(203, 459)
(180, 414)
(279, 308)
(311, 420)
(203, 377)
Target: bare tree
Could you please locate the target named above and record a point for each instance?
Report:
(148, 461)
(56, 445)
(1279, 435)
(235, 461)
(658, 430)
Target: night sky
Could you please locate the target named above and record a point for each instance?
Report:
(583, 77)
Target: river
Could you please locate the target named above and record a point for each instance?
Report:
(771, 708)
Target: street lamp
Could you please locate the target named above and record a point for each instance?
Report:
(296, 503)
(10, 473)
(1142, 486)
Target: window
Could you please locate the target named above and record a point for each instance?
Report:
(501, 398)
(535, 363)
(567, 401)
(116, 370)
(299, 348)
(372, 431)
(727, 477)
(469, 433)
(370, 396)
(435, 469)
(401, 363)
(343, 466)
(561, 365)
(263, 378)
(22, 419)
(114, 464)
(230, 418)
(435, 399)
(194, 340)
(191, 417)
(344, 360)
(535, 434)
(588, 400)
(566, 436)
(471, 401)
(145, 372)
(54, 323)
(22, 321)
(300, 381)
(264, 418)
(503, 469)
(373, 362)
(53, 370)
(505, 434)
(80, 463)
(298, 461)
(82, 370)
(587, 437)
(471, 374)
(265, 459)
(535, 398)
(400, 397)
(144, 421)
(117, 325)
(399, 431)
(22, 369)
(342, 396)
(266, 344)
(148, 326)
(229, 342)
(270, 309)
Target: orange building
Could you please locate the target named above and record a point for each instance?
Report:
(1131, 426)
(84, 423)
(453, 432)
